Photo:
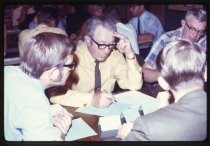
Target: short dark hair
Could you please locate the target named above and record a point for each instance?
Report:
(47, 15)
(113, 13)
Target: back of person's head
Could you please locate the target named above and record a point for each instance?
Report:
(43, 52)
(113, 13)
(96, 10)
(182, 64)
(199, 14)
(94, 22)
(47, 15)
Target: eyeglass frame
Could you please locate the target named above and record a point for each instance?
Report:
(105, 45)
(192, 29)
(71, 66)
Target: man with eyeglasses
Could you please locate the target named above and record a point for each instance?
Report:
(104, 45)
(28, 115)
(192, 28)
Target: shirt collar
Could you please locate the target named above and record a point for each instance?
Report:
(87, 55)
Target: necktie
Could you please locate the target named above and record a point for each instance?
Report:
(97, 76)
(138, 26)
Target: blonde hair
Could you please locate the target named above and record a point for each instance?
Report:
(43, 52)
(182, 63)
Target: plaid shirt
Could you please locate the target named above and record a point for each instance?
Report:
(165, 39)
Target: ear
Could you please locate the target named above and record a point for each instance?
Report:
(163, 83)
(53, 74)
(183, 23)
(49, 77)
(87, 39)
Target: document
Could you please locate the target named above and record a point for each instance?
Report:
(131, 114)
(78, 130)
(136, 99)
(114, 109)
(109, 126)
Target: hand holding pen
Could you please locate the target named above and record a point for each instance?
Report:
(102, 99)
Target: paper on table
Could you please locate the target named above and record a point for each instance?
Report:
(109, 126)
(114, 109)
(79, 129)
(136, 98)
(131, 114)
(109, 122)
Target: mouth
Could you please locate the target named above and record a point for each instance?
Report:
(102, 57)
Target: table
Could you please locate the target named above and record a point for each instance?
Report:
(144, 48)
(92, 120)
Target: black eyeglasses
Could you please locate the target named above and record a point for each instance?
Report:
(71, 66)
(103, 46)
(193, 30)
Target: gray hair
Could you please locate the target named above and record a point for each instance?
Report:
(199, 14)
(182, 63)
(94, 22)
(43, 52)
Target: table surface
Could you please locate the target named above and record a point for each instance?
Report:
(92, 120)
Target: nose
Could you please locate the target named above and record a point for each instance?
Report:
(196, 34)
(107, 50)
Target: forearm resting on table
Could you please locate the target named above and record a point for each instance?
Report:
(150, 75)
(146, 37)
(73, 98)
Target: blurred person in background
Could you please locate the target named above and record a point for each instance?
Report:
(147, 26)
(93, 10)
(22, 15)
(113, 13)
(47, 19)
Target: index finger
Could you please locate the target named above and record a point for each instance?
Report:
(111, 97)
(118, 35)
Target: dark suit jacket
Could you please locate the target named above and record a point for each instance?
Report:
(185, 120)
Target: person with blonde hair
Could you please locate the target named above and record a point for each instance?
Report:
(28, 115)
(182, 67)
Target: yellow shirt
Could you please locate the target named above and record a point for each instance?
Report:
(26, 34)
(126, 72)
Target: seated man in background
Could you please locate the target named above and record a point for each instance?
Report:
(99, 47)
(193, 29)
(93, 10)
(147, 26)
(28, 116)
(182, 72)
(47, 19)
(20, 16)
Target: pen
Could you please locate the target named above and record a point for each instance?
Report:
(141, 112)
(113, 99)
